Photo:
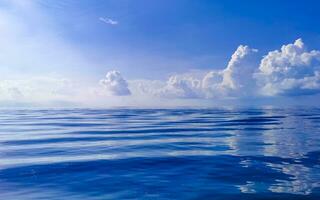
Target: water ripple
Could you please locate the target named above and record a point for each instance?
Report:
(160, 154)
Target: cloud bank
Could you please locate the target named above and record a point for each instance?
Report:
(292, 70)
(231, 81)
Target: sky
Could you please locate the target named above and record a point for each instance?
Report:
(148, 53)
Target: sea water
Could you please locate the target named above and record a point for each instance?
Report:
(160, 154)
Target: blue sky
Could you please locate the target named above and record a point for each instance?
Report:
(154, 42)
(180, 34)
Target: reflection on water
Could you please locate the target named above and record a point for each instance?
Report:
(160, 154)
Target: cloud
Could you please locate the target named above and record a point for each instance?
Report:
(181, 86)
(115, 84)
(235, 79)
(108, 21)
(290, 71)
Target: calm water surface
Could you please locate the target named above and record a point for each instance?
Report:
(160, 154)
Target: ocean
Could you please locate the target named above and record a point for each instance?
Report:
(98, 154)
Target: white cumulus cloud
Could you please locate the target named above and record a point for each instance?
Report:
(115, 84)
(235, 78)
(290, 71)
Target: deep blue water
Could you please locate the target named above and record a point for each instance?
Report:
(160, 154)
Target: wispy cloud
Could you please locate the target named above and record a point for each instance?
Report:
(108, 21)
